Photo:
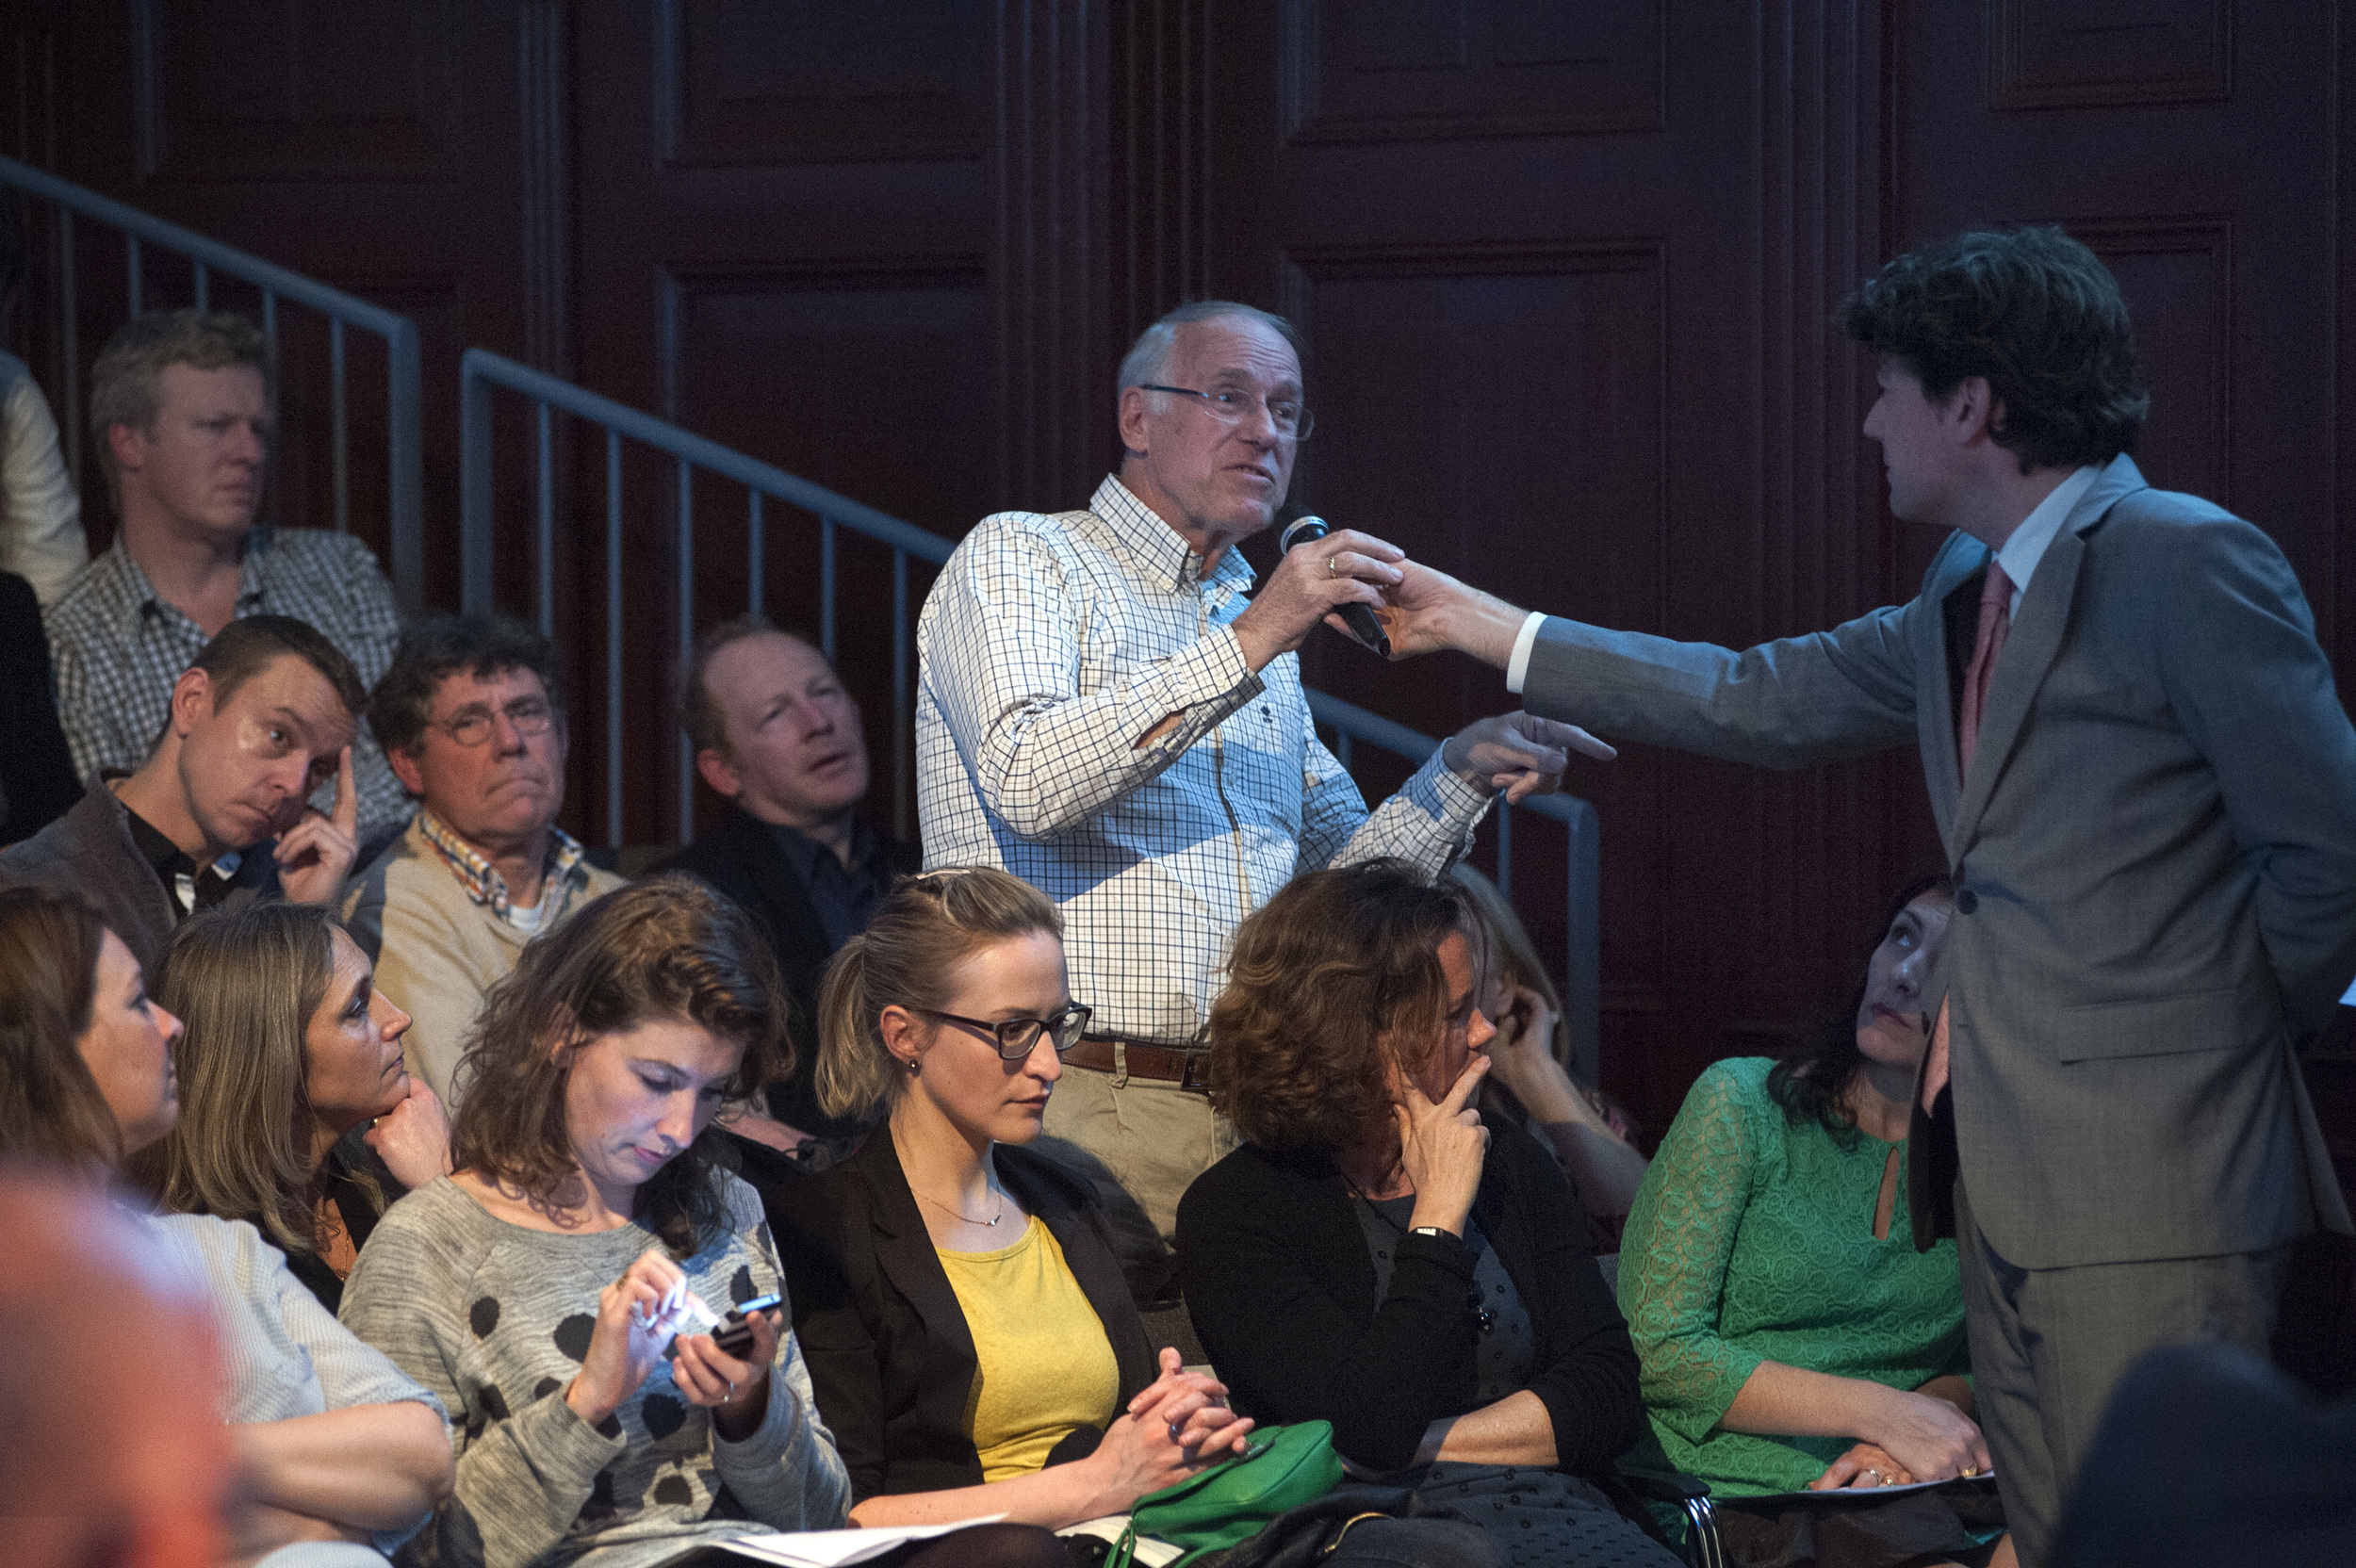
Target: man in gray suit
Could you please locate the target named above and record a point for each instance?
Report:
(2147, 789)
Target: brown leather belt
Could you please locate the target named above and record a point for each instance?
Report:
(1188, 1066)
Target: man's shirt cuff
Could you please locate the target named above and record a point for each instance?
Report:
(1517, 667)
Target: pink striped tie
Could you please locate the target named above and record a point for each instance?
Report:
(1995, 621)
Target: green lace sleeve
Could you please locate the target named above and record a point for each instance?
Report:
(1673, 1255)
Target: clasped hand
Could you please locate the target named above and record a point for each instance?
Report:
(1920, 1437)
(1176, 1426)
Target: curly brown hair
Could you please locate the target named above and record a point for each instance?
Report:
(1331, 984)
(666, 948)
(2035, 312)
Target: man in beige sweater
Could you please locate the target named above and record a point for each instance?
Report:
(471, 717)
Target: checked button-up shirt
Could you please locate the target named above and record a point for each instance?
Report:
(1047, 649)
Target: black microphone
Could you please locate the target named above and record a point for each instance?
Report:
(1358, 617)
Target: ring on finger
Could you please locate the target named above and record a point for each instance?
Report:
(1330, 569)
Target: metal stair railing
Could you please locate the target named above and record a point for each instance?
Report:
(405, 496)
(480, 371)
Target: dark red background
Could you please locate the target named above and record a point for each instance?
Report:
(1565, 273)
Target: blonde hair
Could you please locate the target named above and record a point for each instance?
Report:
(245, 982)
(906, 957)
(126, 383)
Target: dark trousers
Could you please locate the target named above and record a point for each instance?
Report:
(2049, 1345)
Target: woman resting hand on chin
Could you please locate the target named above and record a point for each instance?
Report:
(333, 1442)
(1374, 1256)
(289, 1046)
(971, 1338)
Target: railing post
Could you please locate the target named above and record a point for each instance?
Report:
(71, 334)
(474, 489)
(686, 640)
(545, 574)
(1505, 849)
(339, 424)
(1582, 993)
(825, 587)
(757, 566)
(903, 707)
(613, 637)
(405, 440)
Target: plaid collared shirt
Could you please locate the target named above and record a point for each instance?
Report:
(1049, 645)
(118, 647)
(565, 874)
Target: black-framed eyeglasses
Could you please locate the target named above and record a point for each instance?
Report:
(1234, 405)
(530, 715)
(1018, 1037)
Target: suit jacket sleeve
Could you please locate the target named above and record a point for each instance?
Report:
(1785, 703)
(2237, 655)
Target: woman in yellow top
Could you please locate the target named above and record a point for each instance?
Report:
(971, 1338)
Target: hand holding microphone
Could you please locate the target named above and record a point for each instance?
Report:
(1321, 575)
(1358, 617)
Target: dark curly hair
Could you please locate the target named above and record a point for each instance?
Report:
(433, 647)
(2035, 312)
(1813, 1080)
(1335, 978)
(666, 948)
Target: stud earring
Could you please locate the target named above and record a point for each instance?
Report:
(911, 1067)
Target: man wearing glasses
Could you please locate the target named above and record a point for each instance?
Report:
(471, 717)
(1103, 712)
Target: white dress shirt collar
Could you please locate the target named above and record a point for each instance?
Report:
(2027, 546)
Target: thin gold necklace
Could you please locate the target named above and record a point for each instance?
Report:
(966, 1218)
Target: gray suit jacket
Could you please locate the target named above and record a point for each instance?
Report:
(2154, 852)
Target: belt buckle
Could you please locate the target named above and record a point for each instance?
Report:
(1196, 1075)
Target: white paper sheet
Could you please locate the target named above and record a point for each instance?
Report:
(839, 1548)
(1860, 1494)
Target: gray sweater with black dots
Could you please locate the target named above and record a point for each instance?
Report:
(494, 1319)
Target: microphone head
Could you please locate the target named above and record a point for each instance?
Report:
(1301, 530)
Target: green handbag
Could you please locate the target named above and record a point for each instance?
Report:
(1227, 1504)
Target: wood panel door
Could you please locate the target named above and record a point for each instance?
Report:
(862, 243)
(1565, 275)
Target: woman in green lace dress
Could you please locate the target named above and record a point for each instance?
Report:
(1791, 1337)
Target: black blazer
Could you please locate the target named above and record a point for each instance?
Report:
(742, 859)
(1281, 1287)
(879, 1324)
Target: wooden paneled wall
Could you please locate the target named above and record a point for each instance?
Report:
(1566, 271)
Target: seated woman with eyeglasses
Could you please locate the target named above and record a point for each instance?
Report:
(1373, 1257)
(957, 1295)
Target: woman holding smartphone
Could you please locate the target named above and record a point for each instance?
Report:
(559, 1291)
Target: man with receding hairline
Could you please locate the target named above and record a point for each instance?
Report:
(777, 735)
(1101, 711)
(217, 813)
